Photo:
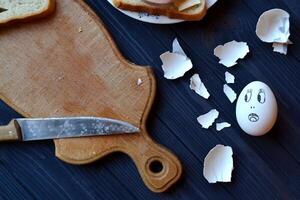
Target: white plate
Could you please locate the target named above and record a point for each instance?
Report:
(144, 17)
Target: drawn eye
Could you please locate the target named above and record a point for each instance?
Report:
(261, 97)
(248, 95)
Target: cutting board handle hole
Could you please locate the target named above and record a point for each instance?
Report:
(156, 166)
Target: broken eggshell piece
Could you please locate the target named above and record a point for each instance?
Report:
(230, 52)
(218, 164)
(176, 48)
(256, 109)
(175, 65)
(229, 92)
(229, 78)
(273, 26)
(198, 86)
(281, 47)
(222, 125)
(208, 119)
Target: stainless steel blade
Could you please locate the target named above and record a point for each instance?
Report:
(54, 128)
(2, 10)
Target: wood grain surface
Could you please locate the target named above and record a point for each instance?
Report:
(266, 167)
(80, 72)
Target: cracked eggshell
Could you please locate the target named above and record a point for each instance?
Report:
(218, 164)
(139, 82)
(208, 119)
(281, 47)
(230, 93)
(273, 26)
(198, 86)
(176, 48)
(222, 125)
(229, 78)
(256, 109)
(230, 52)
(175, 65)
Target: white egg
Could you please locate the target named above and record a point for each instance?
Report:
(256, 109)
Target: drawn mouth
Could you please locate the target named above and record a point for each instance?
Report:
(253, 117)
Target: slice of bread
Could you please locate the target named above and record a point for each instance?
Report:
(11, 10)
(196, 12)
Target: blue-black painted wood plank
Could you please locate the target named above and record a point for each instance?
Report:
(266, 167)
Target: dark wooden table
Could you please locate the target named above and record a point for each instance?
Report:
(266, 167)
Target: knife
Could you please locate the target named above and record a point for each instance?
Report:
(2, 10)
(28, 129)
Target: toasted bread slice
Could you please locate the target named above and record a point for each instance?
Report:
(196, 12)
(11, 10)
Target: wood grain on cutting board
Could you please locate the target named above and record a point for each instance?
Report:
(67, 65)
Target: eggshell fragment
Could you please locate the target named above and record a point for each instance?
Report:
(230, 52)
(229, 92)
(139, 82)
(175, 65)
(208, 119)
(281, 47)
(229, 78)
(218, 164)
(222, 125)
(198, 86)
(176, 48)
(273, 26)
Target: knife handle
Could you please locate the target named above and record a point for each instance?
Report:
(10, 132)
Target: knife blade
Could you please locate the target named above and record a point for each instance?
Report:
(2, 10)
(28, 129)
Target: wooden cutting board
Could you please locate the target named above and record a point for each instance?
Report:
(67, 65)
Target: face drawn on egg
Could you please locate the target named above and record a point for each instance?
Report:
(256, 109)
(261, 98)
